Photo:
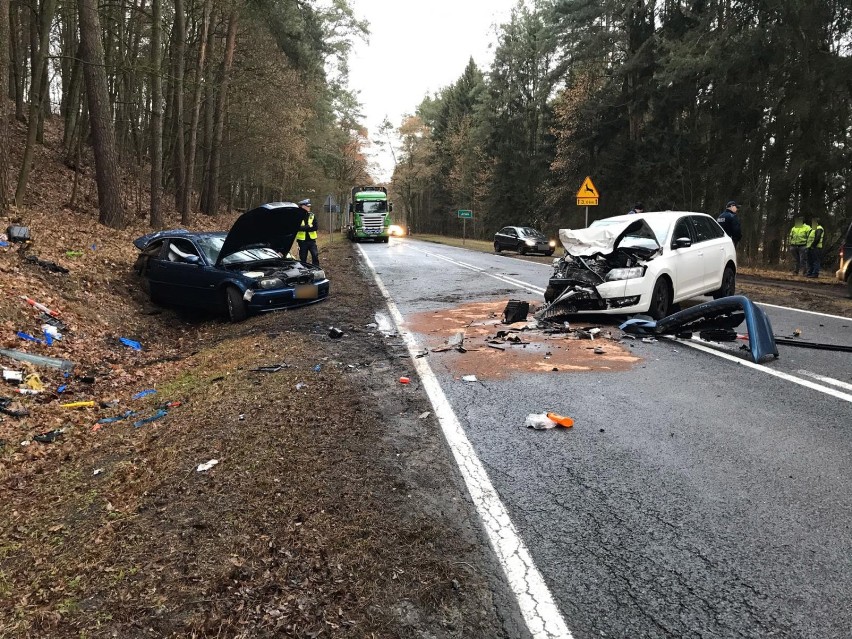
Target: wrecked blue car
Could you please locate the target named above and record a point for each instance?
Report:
(246, 270)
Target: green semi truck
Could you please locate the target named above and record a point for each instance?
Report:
(369, 214)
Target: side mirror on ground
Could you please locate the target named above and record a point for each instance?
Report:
(681, 242)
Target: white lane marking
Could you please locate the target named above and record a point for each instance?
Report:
(696, 343)
(534, 598)
(799, 310)
(826, 380)
(503, 278)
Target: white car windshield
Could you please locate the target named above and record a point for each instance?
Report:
(211, 246)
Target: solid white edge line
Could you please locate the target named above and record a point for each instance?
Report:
(799, 310)
(535, 601)
(696, 343)
(825, 380)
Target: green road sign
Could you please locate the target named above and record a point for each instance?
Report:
(466, 214)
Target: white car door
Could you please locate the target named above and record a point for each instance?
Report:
(687, 262)
(711, 236)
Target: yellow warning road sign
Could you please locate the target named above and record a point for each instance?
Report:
(587, 189)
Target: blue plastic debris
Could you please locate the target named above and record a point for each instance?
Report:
(61, 389)
(136, 346)
(29, 337)
(145, 393)
(317, 368)
(117, 418)
(158, 415)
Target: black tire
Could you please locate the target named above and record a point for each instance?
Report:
(497, 247)
(522, 249)
(661, 300)
(235, 306)
(729, 284)
(385, 240)
(548, 253)
(550, 294)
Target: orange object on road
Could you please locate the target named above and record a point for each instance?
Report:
(404, 380)
(565, 422)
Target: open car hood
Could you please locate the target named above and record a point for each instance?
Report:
(603, 239)
(272, 225)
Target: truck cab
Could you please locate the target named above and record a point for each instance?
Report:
(369, 214)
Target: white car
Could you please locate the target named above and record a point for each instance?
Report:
(641, 263)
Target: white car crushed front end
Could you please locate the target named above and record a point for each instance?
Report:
(603, 270)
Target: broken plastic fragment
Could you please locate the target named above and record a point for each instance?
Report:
(48, 437)
(404, 380)
(87, 404)
(136, 346)
(561, 420)
(39, 306)
(599, 350)
(300, 385)
(317, 368)
(29, 338)
(13, 376)
(97, 471)
(469, 378)
(206, 465)
(33, 382)
(539, 421)
(158, 415)
(424, 415)
(334, 332)
(145, 393)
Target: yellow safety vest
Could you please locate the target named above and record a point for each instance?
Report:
(799, 235)
(812, 236)
(304, 228)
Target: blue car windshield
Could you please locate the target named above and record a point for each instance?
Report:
(211, 246)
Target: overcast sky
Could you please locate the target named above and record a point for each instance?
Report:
(417, 48)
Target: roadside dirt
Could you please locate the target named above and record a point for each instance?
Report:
(333, 510)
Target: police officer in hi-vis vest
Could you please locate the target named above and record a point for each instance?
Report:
(798, 245)
(307, 235)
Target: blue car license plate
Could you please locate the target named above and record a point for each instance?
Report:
(306, 292)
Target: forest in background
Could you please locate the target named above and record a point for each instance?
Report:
(681, 104)
(189, 105)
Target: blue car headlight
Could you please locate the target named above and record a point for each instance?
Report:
(625, 273)
(319, 275)
(270, 282)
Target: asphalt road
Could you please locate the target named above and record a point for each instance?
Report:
(696, 496)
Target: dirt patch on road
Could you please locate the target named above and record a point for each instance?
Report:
(524, 350)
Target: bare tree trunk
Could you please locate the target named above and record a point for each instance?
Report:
(212, 186)
(196, 112)
(100, 119)
(4, 111)
(179, 154)
(17, 61)
(156, 115)
(72, 105)
(38, 65)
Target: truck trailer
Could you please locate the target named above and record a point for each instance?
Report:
(369, 214)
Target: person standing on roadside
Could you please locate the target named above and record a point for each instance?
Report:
(307, 235)
(637, 208)
(730, 223)
(798, 245)
(814, 244)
